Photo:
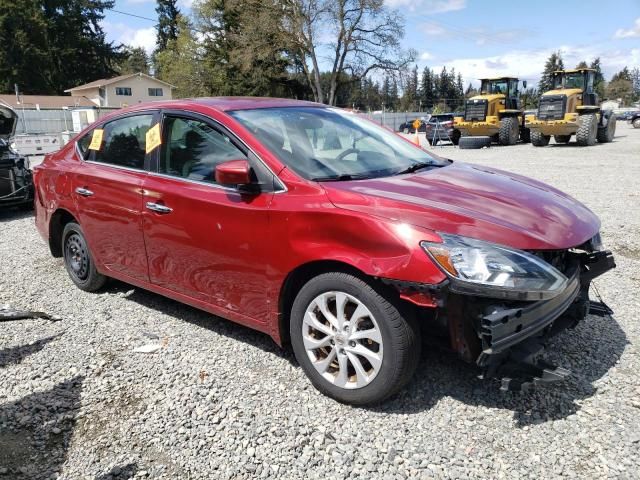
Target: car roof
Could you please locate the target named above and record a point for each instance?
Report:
(227, 103)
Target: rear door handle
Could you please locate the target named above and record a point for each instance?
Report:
(84, 192)
(158, 207)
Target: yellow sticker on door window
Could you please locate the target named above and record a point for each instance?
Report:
(153, 138)
(96, 139)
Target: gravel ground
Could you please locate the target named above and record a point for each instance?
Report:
(220, 401)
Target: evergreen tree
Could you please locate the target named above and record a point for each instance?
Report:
(554, 62)
(582, 64)
(168, 15)
(52, 45)
(136, 61)
(426, 88)
(598, 83)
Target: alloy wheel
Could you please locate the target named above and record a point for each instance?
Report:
(342, 339)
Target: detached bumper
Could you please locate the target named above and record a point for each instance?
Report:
(513, 339)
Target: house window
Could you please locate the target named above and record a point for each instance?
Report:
(155, 92)
(126, 91)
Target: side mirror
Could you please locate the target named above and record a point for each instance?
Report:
(524, 84)
(234, 172)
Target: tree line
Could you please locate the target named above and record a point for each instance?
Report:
(347, 53)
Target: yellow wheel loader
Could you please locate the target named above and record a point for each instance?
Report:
(571, 108)
(495, 113)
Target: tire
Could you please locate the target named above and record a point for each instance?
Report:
(562, 138)
(538, 139)
(587, 130)
(398, 350)
(636, 123)
(455, 137)
(78, 260)
(606, 134)
(471, 143)
(525, 135)
(508, 133)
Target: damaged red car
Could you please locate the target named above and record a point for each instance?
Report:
(327, 232)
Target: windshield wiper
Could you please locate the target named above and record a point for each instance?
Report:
(416, 166)
(340, 178)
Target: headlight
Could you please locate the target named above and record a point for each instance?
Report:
(481, 268)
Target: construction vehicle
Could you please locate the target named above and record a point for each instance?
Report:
(571, 108)
(495, 113)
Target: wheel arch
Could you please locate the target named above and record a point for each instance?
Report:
(59, 219)
(299, 276)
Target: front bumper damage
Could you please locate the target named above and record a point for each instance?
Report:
(506, 339)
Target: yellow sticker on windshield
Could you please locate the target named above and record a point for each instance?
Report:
(96, 140)
(153, 138)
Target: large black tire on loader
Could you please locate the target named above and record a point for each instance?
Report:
(606, 134)
(469, 143)
(509, 129)
(562, 138)
(587, 130)
(538, 139)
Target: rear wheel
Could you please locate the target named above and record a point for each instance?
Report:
(636, 123)
(508, 134)
(562, 138)
(352, 341)
(539, 140)
(78, 260)
(587, 130)
(606, 134)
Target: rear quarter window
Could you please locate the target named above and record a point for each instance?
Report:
(84, 142)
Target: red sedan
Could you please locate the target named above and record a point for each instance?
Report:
(324, 230)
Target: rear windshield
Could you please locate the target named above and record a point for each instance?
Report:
(441, 118)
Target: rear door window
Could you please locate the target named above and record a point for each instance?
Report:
(124, 141)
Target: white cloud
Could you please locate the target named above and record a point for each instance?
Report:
(425, 56)
(140, 1)
(632, 32)
(432, 29)
(528, 64)
(428, 7)
(135, 37)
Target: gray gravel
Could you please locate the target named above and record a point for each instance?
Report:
(217, 400)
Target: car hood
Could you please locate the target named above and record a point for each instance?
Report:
(8, 122)
(473, 201)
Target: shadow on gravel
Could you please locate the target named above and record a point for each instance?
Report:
(14, 355)
(183, 312)
(35, 431)
(120, 472)
(11, 214)
(589, 351)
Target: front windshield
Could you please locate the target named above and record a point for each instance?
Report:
(494, 86)
(569, 80)
(328, 144)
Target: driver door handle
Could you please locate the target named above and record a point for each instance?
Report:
(158, 207)
(84, 192)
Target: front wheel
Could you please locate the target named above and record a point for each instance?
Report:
(636, 123)
(78, 260)
(352, 341)
(538, 139)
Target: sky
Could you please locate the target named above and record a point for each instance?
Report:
(479, 38)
